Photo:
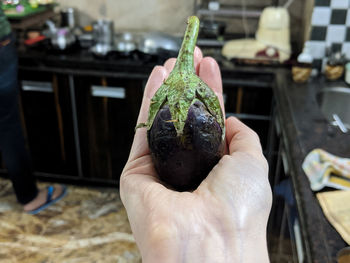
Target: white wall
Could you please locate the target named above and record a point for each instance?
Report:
(170, 15)
(136, 15)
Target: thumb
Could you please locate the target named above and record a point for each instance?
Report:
(245, 153)
(241, 138)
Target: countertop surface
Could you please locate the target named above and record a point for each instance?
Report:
(303, 126)
(136, 65)
(78, 62)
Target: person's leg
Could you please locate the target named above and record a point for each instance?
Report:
(12, 143)
(17, 162)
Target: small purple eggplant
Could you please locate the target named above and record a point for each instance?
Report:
(185, 127)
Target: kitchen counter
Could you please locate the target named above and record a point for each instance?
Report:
(303, 128)
(137, 65)
(78, 62)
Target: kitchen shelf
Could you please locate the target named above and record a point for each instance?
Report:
(245, 83)
(230, 12)
(12, 14)
(211, 42)
(203, 8)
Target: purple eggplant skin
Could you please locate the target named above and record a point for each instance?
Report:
(184, 161)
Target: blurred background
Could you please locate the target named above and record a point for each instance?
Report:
(82, 69)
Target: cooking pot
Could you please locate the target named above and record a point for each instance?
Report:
(103, 31)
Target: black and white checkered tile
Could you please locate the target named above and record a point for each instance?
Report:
(330, 28)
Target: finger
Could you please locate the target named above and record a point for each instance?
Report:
(198, 56)
(169, 64)
(155, 80)
(241, 138)
(209, 72)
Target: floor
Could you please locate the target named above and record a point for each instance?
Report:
(88, 225)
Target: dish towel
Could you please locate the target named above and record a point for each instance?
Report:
(336, 208)
(325, 169)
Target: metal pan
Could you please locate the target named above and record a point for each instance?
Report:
(125, 43)
(153, 43)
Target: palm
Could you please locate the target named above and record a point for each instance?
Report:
(235, 191)
(164, 218)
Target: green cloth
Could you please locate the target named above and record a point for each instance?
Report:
(5, 27)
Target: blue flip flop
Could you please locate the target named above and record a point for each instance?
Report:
(49, 200)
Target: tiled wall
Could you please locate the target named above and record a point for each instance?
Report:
(330, 29)
(299, 12)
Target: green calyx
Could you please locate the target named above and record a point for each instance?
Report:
(183, 86)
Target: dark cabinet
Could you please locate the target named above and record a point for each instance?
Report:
(80, 126)
(46, 108)
(107, 110)
(252, 103)
(249, 97)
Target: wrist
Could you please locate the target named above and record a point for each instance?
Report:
(208, 246)
(250, 246)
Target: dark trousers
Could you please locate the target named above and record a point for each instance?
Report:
(12, 144)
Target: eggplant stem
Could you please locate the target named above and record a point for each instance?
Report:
(185, 60)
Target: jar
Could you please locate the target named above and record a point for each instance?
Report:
(301, 71)
(334, 72)
(347, 73)
(335, 65)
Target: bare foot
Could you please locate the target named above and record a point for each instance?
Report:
(40, 199)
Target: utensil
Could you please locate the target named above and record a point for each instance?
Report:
(125, 43)
(68, 17)
(101, 50)
(86, 40)
(61, 38)
(103, 31)
(51, 25)
(154, 43)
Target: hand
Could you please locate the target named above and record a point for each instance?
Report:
(224, 219)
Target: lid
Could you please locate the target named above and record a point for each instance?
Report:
(305, 56)
(274, 18)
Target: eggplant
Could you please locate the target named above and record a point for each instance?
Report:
(185, 126)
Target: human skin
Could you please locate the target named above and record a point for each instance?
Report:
(40, 199)
(224, 219)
